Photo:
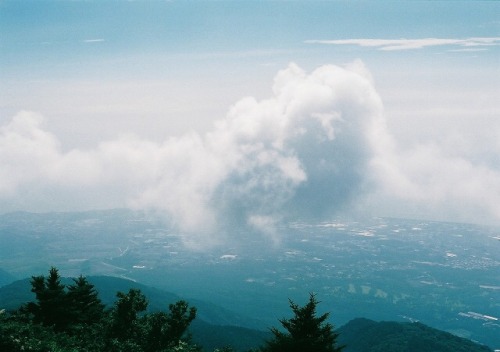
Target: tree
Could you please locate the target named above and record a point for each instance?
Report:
(166, 330)
(179, 318)
(125, 314)
(306, 332)
(52, 305)
(86, 307)
(73, 318)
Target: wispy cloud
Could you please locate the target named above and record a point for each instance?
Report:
(468, 50)
(97, 40)
(408, 44)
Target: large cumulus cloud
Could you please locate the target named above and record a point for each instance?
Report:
(304, 150)
(316, 144)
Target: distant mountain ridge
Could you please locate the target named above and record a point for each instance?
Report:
(214, 326)
(363, 335)
(5, 278)
(19, 292)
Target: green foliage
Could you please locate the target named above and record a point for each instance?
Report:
(73, 318)
(304, 332)
(179, 318)
(183, 346)
(125, 314)
(166, 330)
(224, 349)
(24, 336)
(52, 303)
(83, 300)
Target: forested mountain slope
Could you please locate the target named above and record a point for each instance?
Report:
(215, 327)
(363, 335)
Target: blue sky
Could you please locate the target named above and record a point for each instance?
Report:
(51, 33)
(77, 77)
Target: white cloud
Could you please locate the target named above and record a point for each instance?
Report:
(316, 144)
(407, 44)
(267, 158)
(468, 50)
(431, 181)
(98, 40)
(266, 225)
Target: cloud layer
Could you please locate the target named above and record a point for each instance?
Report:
(318, 143)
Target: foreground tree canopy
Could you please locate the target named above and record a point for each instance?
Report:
(305, 332)
(73, 318)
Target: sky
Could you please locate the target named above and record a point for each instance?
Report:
(246, 114)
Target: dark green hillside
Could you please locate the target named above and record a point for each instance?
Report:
(68, 314)
(362, 335)
(211, 336)
(13, 295)
(18, 292)
(214, 326)
(108, 286)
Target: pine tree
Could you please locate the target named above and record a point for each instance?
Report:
(125, 313)
(166, 330)
(86, 307)
(52, 304)
(306, 332)
(179, 318)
